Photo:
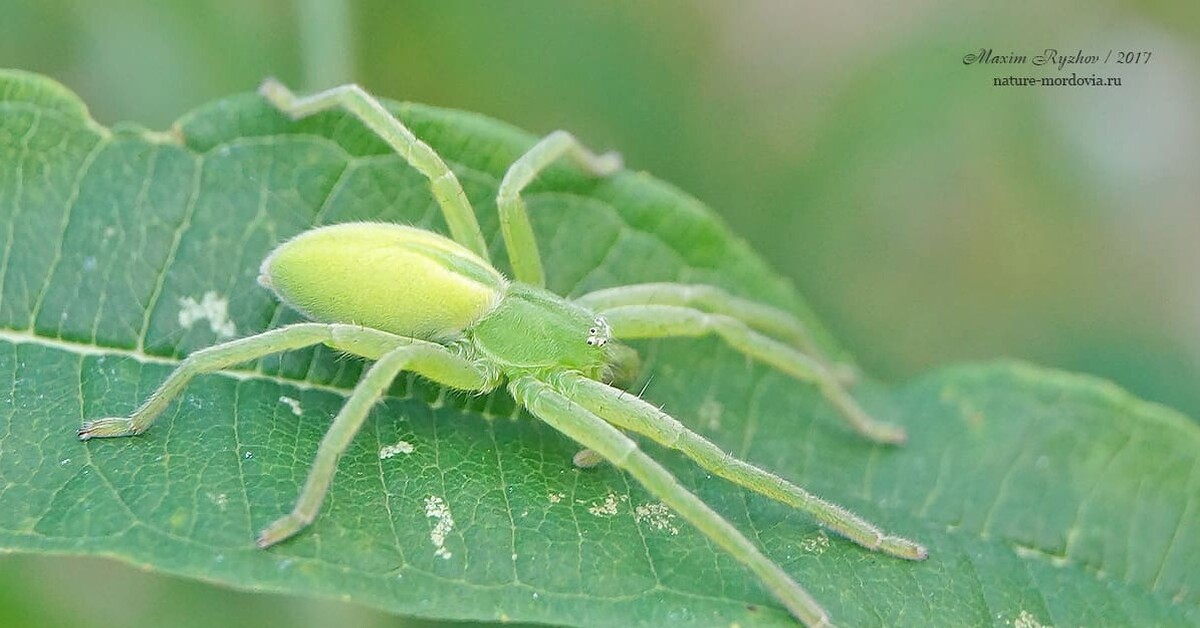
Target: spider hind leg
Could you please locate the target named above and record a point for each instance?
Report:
(207, 360)
(424, 358)
(447, 190)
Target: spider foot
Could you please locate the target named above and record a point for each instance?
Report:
(282, 529)
(107, 428)
(278, 95)
(607, 164)
(886, 433)
(901, 547)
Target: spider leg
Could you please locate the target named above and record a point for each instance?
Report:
(662, 321)
(628, 412)
(448, 192)
(551, 406)
(514, 220)
(213, 358)
(365, 342)
(429, 360)
(759, 317)
(763, 318)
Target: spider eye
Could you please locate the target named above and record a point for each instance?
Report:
(598, 333)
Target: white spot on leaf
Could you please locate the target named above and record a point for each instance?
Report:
(221, 500)
(401, 447)
(606, 509)
(656, 515)
(555, 497)
(815, 544)
(212, 307)
(1026, 620)
(436, 509)
(293, 404)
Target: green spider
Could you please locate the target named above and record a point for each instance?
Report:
(414, 300)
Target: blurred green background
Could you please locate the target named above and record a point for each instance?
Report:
(928, 216)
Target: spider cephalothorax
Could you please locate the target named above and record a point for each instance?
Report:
(411, 299)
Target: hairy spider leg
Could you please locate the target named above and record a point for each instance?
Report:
(206, 360)
(663, 321)
(448, 192)
(393, 354)
(629, 412)
(361, 341)
(514, 219)
(552, 406)
(760, 317)
(430, 360)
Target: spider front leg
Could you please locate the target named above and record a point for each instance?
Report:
(661, 321)
(427, 359)
(631, 413)
(514, 219)
(757, 316)
(564, 415)
(448, 192)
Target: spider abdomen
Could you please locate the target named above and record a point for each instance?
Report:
(399, 279)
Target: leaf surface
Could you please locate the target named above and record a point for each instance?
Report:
(1046, 498)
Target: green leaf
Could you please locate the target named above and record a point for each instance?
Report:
(1045, 498)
